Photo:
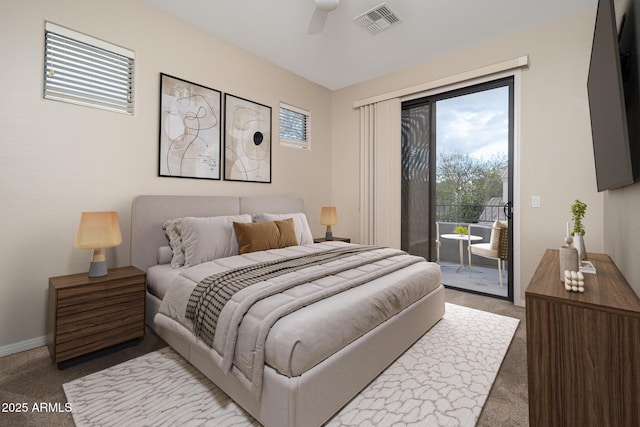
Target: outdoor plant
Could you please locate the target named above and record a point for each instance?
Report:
(460, 230)
(578, 209)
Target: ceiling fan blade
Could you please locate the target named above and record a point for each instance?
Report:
(316, 24)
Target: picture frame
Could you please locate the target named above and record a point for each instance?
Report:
(247, 140)
(190, 130)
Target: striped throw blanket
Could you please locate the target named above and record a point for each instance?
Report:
(211, 295)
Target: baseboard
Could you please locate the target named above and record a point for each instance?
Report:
(23, 346)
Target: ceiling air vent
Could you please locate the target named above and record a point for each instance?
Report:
(377, 19)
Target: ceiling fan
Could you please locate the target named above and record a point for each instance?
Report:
(320, 13)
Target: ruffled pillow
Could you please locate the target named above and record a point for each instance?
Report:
(194, 240)
(172, 229)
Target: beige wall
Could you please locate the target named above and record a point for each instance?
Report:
(555, 152)
(59, 159)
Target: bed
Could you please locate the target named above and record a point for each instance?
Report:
(288, 380)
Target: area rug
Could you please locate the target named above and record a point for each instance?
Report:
(442, 380)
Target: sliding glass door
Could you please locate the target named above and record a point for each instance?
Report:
(457, 186)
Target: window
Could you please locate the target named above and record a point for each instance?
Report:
(86, 71)
(295, 129)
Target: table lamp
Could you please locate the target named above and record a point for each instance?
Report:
(97, 231)
(328, 217)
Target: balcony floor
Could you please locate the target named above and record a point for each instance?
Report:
(481, 279)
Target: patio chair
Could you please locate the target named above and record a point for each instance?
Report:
(497, 248)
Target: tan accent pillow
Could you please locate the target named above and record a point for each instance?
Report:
(303, 232)
(260, 236)
(495, 234)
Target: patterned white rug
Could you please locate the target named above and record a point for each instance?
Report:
(442, 380)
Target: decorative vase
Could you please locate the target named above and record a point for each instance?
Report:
(578, 240)
(568, 260)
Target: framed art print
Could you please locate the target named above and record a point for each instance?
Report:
(247, 140)
(190, 129)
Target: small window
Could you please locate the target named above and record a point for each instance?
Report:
(86, 71)
(295, 129)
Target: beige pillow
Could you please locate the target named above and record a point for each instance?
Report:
(495, 234)
(260, 236)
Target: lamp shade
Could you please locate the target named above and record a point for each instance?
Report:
(328, 215)
(98, 230)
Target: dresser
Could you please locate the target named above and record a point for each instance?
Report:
(89, 314)
(583, 349)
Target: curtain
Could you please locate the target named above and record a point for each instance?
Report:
(380, 173)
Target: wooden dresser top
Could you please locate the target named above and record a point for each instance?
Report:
(606, 290)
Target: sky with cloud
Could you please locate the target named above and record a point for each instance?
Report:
(476, 124)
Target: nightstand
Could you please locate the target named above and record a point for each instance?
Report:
(336, 239)
(88, 314)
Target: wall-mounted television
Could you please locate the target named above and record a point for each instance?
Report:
(614, 96)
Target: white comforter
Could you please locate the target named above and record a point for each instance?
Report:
(297, 341)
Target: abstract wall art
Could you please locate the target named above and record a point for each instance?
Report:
(190, 129)
(247, 142)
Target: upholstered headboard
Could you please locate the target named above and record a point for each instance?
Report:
(149, 212)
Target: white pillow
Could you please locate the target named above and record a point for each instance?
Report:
(303, 232)
(209, 238)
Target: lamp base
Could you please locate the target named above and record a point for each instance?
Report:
(328, 236)
(98, 268)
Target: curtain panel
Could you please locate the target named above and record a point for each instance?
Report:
(380, 173)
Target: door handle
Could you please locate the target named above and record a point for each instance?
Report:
(508, 209)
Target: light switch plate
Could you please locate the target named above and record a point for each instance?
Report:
(535, 201)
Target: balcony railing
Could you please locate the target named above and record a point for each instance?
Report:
(470, 213)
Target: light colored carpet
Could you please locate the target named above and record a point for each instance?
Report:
(442, 380)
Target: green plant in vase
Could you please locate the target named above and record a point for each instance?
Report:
(578, 210)
(460, 230)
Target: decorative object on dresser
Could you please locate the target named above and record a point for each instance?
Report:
(328, 217)
(578, 209)
(582, 348)
(98, 231)
(568, 258)
(90, 314)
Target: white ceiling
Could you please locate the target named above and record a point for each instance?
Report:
(344, 53)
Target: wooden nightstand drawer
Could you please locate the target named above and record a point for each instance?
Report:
(93, 339)
(81, 315)
(73, 293)
(90, 314)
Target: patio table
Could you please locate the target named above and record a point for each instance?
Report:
(461, 238)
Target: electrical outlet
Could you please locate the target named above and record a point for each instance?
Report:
(535, 201)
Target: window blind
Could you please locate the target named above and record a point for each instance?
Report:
(86, 71)
(295, 129)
